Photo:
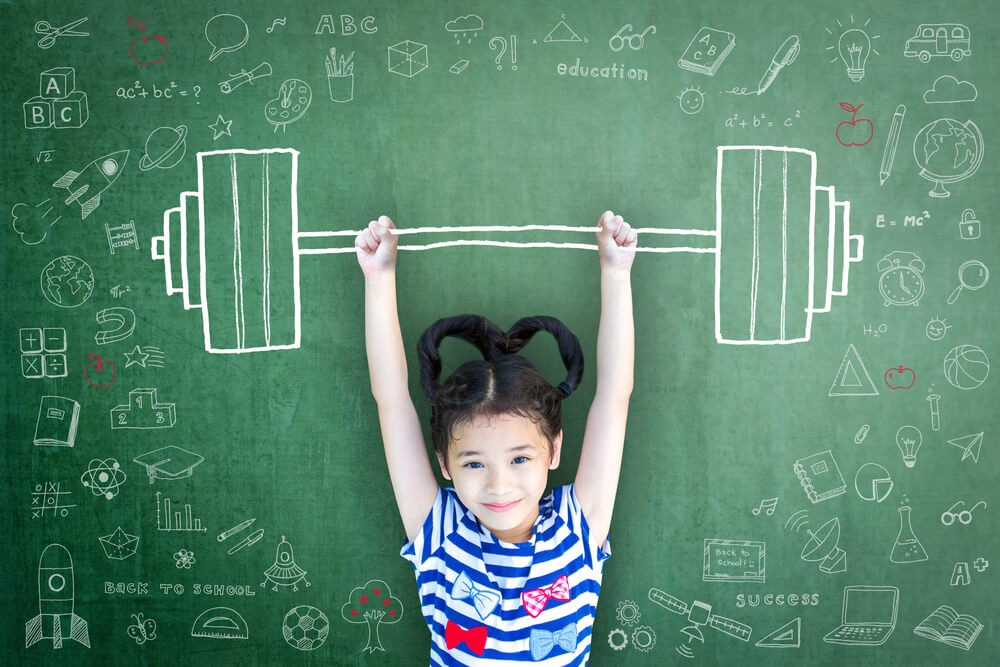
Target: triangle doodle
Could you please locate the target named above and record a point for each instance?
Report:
(562, 33)
(787, 636)
(852, 377)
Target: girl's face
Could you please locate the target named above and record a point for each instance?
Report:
(500, 467)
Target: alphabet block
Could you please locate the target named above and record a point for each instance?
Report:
(57, 82)
(71, 111)
(37, 113)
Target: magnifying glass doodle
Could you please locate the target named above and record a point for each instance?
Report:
(972, 275)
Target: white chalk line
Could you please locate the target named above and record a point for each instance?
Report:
(502, 244)
(507, 244)
(502, 228)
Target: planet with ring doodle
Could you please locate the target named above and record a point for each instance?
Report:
(165, 147)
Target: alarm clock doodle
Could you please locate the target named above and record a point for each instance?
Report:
(901, 279)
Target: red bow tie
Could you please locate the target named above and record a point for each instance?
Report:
(474, 638)
(534, 600)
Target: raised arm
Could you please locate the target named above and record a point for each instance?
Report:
(601, 457)
(410, 469)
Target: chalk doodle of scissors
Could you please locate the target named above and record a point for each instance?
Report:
(45, 28)
(965, 516)
(635, 41)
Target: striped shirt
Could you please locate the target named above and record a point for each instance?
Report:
(489, 603)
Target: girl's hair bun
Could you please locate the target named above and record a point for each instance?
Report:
(493, 343)
(473, 329)
(569, 346)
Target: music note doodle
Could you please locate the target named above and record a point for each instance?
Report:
(280, 21)
(767, 505)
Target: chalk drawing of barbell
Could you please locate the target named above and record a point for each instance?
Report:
(782, 246)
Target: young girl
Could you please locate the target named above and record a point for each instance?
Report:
(504, 575)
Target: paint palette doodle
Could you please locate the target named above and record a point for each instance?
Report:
(292, 102)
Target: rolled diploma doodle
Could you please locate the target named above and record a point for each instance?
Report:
(237, 80)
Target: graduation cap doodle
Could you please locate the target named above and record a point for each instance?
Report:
(169, 462)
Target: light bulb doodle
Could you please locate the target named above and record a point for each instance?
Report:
(908, 440)
(851, 45)
(854, 47)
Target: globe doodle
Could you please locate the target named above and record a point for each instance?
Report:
(305, 627)
(67, 281)
(103, 477)
(947, 151)
(966, 366)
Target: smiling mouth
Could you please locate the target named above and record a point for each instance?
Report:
(501, 508)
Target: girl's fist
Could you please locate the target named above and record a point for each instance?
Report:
(616, 242)
(376, 247)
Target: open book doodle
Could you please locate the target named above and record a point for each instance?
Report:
(947, 626)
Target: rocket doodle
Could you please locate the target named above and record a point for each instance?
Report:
(85, 187)
(56, 618)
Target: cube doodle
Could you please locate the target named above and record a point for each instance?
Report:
(407, 58)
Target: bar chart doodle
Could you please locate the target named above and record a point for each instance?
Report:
(169, 519)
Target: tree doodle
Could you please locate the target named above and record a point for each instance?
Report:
(373, 604)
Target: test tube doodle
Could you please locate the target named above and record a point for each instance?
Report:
(934, 400)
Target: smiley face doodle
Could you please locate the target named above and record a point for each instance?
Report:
(692, 100)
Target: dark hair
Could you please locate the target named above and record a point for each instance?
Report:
(503, 383)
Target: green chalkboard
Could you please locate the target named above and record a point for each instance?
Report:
(188, 420)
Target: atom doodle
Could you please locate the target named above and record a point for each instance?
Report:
(103, 477)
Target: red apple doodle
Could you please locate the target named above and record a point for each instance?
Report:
(895, 378)
(99, 375)
(854, 123)
(149, 50)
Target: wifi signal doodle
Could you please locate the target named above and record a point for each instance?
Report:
(797, 521)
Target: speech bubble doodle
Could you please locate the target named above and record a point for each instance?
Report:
(226, 33)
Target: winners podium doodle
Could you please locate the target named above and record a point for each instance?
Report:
(782, 244)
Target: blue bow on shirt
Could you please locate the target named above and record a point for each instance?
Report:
(484, 599)
(542, 641)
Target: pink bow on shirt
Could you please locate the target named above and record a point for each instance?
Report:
(534, 600)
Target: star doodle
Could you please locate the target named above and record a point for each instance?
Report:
(136, 357)
(221, 127)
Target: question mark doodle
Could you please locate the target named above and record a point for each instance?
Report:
(498, 40)
(503, 48)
